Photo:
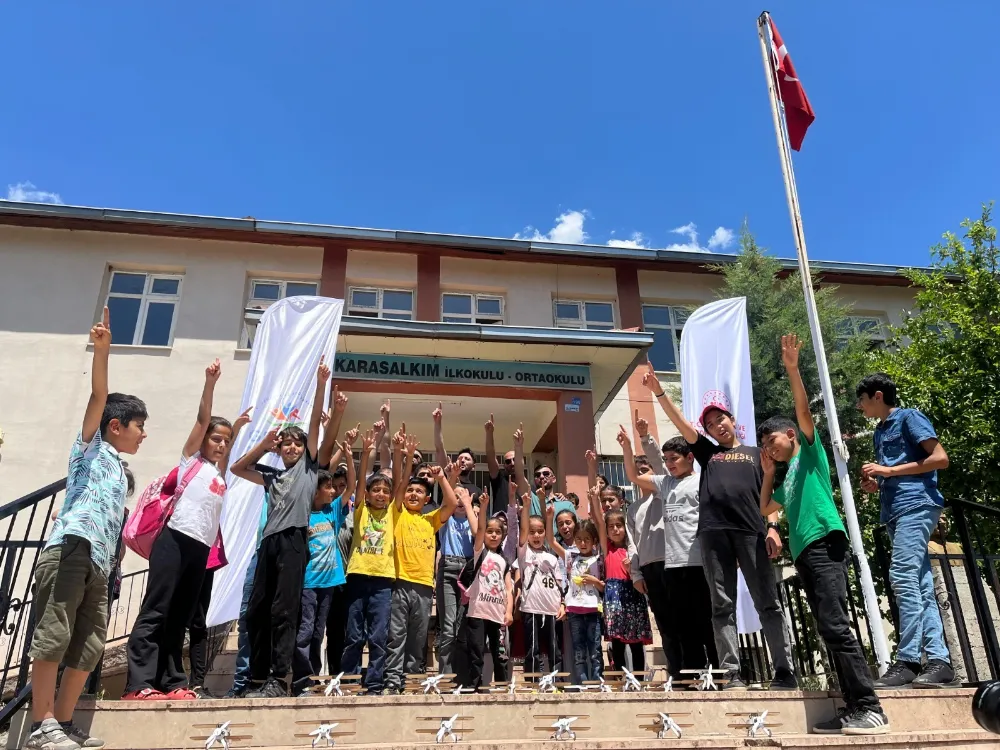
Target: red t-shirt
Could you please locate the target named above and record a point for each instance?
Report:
(614, 564)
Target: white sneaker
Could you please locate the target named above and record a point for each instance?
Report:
(50, 736)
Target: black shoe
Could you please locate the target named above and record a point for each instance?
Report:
(834, 725)
(899, 675)
(734, 681)
(866, 721)
(936, 674)
(237, 692)
(784, 680)
(271, 689)
(203, 693)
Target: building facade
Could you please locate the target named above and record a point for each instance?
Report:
(545, 335)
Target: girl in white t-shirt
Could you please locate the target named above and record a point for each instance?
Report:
(178, 559)
(539, 580)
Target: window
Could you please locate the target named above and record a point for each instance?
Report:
(870, 327)
(265, 292)
(666, 324)
(390, 304)
(484, 309)
(143, 307)
(595, 316)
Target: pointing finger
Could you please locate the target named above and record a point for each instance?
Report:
(106, 317)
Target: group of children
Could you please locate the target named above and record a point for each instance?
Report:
(353, 557)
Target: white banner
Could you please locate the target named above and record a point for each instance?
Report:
(292, 335)
(715, 368)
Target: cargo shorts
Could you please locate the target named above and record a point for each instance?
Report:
(71, 606)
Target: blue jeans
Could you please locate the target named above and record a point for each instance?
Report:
(368, 611)
(585, 630)
(241, 675)
(920, 628)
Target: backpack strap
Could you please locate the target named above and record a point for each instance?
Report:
(182, 483)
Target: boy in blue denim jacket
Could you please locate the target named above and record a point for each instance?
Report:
(908, 456)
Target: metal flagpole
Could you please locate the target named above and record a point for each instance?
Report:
(840, 452)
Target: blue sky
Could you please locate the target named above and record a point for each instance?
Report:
(572, 120)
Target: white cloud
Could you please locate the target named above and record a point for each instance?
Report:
(567, 230)
(27, 192)
(638, 239)
(721, 238)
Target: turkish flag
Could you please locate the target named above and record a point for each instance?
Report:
(799, 113)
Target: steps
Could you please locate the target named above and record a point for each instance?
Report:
(920, 719)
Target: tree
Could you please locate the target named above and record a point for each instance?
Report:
(945, 359)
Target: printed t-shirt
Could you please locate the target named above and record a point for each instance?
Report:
(730, 487)
(614, 564)
(581, 597)
(373, 542)
(541, 589)
(898, 441)
(488, 592)
(807, 497)
(199, 507)
(95, 500)
(456, 537)
(290, 494)
(346, 532)
(680, 519)
(414, 545)
(326, 566)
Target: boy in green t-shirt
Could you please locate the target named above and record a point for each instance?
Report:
(819, 546)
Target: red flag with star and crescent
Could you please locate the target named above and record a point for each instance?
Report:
(799, 113)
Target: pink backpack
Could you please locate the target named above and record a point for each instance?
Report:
(153, 510)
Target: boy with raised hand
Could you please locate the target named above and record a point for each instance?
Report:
(71, 576)
(731, 532)
(544, 479)
(819, 545)
(273, 610)
(908, 456)
(464, 459)
(414, 533)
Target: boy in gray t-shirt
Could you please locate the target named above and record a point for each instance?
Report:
(686, 630)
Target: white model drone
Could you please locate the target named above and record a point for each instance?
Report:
(667, 725)
(605, 687)
(668, 686)
(548, 682)
(756, 723)
(433, 684)
(447, 729)
(219, 736)
(563, 730)
(512, 685)
(629, 682)
(707, 681)
(334, 686)
(324, 734)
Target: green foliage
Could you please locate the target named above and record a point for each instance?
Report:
(946, 356)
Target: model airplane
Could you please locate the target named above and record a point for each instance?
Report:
(334, 686)
(629, 682)
(324, 734)
(667, 725)
(447, 729)
(433, 684)
(563, 730)
(512, 686)
(219, 736)
(548, 682)
(604, 687)
(707, 681)
(668, 686)
(757, 723)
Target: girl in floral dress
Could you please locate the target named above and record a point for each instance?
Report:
(626, 615)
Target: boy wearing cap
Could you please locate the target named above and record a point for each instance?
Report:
(731, 532)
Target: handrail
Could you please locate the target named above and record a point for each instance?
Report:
(978, 507)
(28, 500)
(12, 706)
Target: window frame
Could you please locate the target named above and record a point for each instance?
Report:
(244, 342)
(145, 298)
(581, 324)
(379, 308)
(474, 316)
(673, 328)
(881, 341)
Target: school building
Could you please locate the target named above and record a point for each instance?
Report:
(541, 334)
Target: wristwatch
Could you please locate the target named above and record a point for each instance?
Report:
(775, 526)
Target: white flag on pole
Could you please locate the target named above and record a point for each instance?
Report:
(292, 335)
(715, 368)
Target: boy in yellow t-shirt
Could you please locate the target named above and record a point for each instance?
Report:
(414, 533)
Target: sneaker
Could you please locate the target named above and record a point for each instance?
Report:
(834, 725)
(899, 675)
(233, 693)
(204, 693)
(866, 721)
(181, 694)
(271, 689)
(50, 736)
(81, 738)
(734, 681)
(146, 694)
(784, 680)
(936, 674)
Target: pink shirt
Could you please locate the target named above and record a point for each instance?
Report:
(488, 593)
(614, 567)
(541, 588)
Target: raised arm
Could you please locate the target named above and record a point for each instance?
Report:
(367, 443)
(768, 507)
(643, 481)
(597, 515)
(522, 527)
(322, 378)
(194, 440)
(398, 445)
(522, 480)
(440, 454)
(352, 477)
(449, 500)
(591, 458)
(790, 348)
(491, 449)
(550, 516)
(338, 403)
(241, 421)
(245, 467)
(648, 446)
(383, 444)
(100, 337)
(687, 430)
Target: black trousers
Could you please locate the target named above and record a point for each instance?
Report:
(682, 609)
(542, 646)
(176, 570)
(198, 648)
(618, 649)
(475, 632)
(822, 566)
(336, 629)
(273, 611)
